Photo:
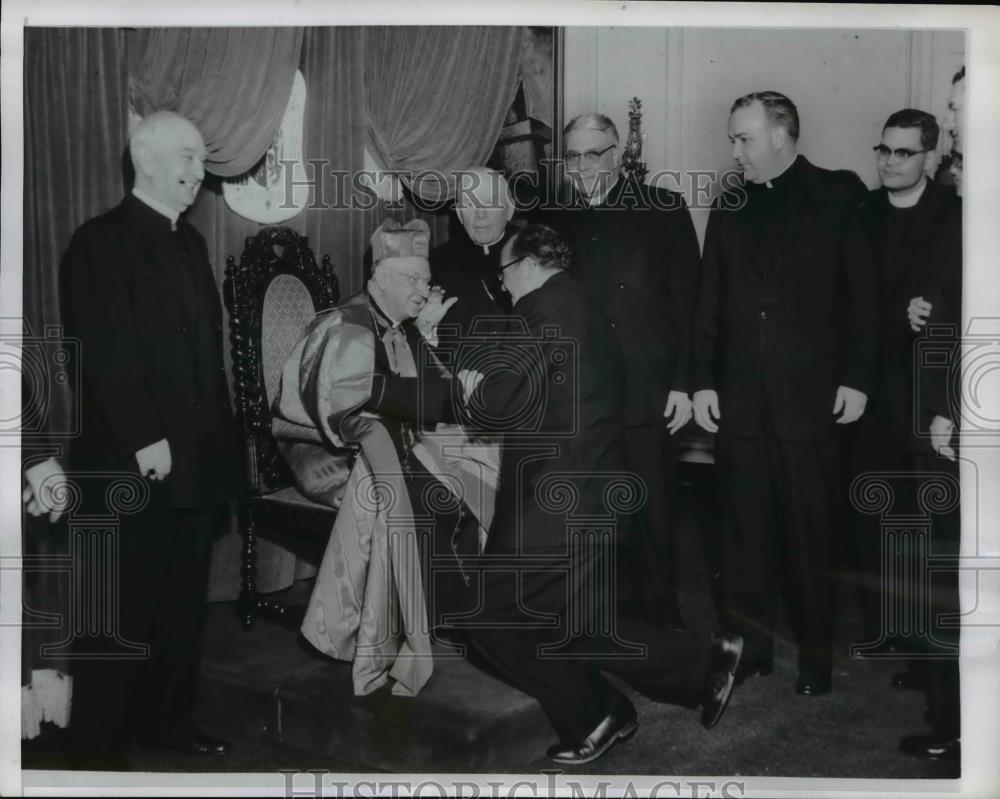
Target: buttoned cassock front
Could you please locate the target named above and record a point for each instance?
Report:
(141, 299)
(786, 314)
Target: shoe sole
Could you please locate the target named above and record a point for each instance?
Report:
(624, 734)
(710, 721)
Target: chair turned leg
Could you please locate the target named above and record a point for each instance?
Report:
(248, 601)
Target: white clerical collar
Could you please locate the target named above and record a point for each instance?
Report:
(597, 199)
(486, 247)
(910, 197)
(159, 207)
(770, 184)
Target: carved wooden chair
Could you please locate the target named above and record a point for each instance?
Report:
(271, 295)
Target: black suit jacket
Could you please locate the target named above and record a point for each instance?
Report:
(143, 303)
(558, 401)
(778, 329)
(637, 256)
(925, 261)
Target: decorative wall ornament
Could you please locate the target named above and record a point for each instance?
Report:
(261, 195)
(632, 164)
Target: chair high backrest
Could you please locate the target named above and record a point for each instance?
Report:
(271, 295)
(288, 308)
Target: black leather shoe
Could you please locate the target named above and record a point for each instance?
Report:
(723, 662)
(199, 744)
(750, 668)
(807, 686)
(619, 725)
(932, 747)
(909, 681)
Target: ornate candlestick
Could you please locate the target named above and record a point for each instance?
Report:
(632, 163)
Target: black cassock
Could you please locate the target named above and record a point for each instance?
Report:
(786, 314)
(636, 253)
(913, 250)
(142, 300)
(470, 272)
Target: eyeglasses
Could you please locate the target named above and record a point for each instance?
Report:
(416, 281)
(504, 267)
(902, 153)
(588, 158)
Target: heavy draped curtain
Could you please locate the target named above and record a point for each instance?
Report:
(232, 83)
(436, 97)
(420, 98)
(75, 121)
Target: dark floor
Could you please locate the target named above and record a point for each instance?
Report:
(286, 708)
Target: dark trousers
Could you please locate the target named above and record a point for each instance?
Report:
(163, 557)
(559, 664)
(650, 549)
(778, 506)
(943, 680)
(878, 451)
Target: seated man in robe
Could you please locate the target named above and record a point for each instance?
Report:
(418, 498)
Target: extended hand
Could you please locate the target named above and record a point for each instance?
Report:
(154, 461)
(917, 312)
(678, 406)
(706, 410)
(852, 402)
(43, 492)
(941, 432)
(434, 310)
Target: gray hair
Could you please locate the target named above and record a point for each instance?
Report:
(592, 122)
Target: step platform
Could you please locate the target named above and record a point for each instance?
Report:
(269, 685)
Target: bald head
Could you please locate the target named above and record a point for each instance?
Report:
(168, 154)
(483, 203)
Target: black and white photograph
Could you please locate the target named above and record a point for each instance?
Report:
(528, 399)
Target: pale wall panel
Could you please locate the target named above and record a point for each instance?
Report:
(844, 83)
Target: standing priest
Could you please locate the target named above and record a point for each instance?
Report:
(465, 267)
(636, 253)
(783, 355)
